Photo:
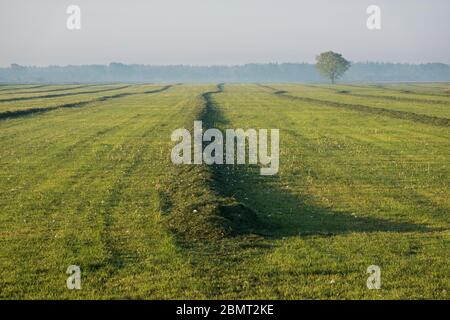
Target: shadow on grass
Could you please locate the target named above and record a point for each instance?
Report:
(275, 212)
(281, 213)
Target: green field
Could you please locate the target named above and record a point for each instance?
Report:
(86, 179)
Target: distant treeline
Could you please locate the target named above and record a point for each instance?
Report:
(270, 72)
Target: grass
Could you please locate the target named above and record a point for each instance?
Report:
(54, 100)
(94, 186)
(41, 89)
(373, 98)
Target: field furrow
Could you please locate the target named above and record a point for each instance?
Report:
(78, 103)
(69, 93)
(395, 112)
(361, 182)
(32, 92)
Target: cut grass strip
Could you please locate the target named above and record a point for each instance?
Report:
(94, 204)
(13, 87)
(342, 94)
(20, 113)
(405, 115)
(48, 96)
(51, 89)
(210, 215)
(381, 93)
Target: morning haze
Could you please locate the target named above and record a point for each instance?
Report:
(206, 32)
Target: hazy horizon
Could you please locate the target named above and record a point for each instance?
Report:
(216, 65)
(227, 33)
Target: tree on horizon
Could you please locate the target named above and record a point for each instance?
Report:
(332, 65)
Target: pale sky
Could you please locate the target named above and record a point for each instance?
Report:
(206, 32)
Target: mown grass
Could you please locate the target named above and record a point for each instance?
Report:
(80, 186)
(42, 89)
(353, 190)
(38, 100)
(22, 94)
(404, 92)
(372, 98)
(5, 87)
(94, 187)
